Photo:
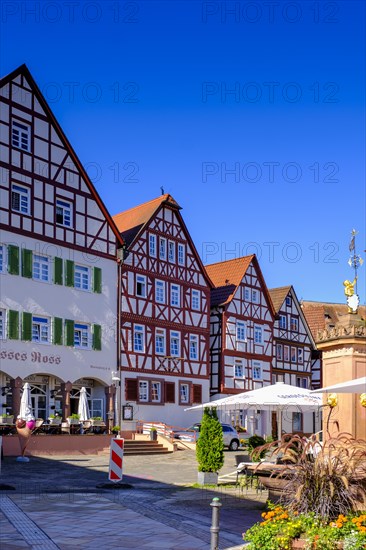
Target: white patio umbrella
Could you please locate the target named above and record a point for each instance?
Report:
(83, 408)
(25, 411)
(358, 385)
(278, 397)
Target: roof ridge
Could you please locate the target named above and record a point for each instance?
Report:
(232, 260)
(161, 197)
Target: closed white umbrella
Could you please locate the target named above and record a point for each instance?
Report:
(83, 409)
(358, 385)
(26, 403)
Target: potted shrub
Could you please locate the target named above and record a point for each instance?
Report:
(6, 418)
(115, 430)
(153, 434)
(73, 419)
(323, 496)
(97, 421)
(54, 420)
(210, 448)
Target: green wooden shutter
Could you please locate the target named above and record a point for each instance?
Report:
(26, 326)
(69, 268)
(13, 326)
(97, 337)
(69, 329)
(27, 263)
(97, 280)
(58, 271)
(13, 259)
(57, 331)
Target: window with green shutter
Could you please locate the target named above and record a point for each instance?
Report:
(13, 259)
(27, 263)
(69, 332)
(57, 331)
(97, 280)
(97, 337)
(26, 326)
(58, 271)
(69, 268)
(13, 325)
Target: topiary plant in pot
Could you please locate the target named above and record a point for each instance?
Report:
(210, 448)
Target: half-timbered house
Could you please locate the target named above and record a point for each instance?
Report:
(58, 268)
(295, 358)
(164, 314)
(241, 333)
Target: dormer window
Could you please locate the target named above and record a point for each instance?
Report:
(20, 136)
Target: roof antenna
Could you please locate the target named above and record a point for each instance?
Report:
(162, 190)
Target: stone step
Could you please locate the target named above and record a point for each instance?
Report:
(133, 447)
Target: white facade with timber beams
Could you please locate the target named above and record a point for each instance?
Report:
(164, 314)
(295, 359)
(241, 337)
(58, 269)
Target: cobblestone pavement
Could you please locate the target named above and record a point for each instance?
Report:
(56, 504)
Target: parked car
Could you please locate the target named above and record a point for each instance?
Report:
(191, 434)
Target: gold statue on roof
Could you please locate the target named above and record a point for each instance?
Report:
(355, 261)
(349, 287)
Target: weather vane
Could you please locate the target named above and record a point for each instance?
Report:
(355, 261)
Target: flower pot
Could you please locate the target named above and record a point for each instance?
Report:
(153, 435)
(208, 478)
(6, 419)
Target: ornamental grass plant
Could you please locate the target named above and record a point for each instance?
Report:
(323, 500)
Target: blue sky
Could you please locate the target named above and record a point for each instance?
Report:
(251, 114)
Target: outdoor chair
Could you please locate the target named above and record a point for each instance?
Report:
(87, 427)
(239, 459)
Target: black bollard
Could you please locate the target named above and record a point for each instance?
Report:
(216, 505)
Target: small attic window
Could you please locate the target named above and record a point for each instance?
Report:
(327, 316)
(288, 300)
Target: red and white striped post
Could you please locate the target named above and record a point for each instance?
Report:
(116, 459)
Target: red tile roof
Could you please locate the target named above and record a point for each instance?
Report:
(322, 315)
(226, 276)
(278, 296)
(131, 221)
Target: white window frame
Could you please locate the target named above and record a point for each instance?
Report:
(82, 277)
(171, 252)
(175, 295)
(293, 354)
(82, 335)
(23, 194)
(160, 339)
(2, 258)
(257, 370)
(67, 212)
(143, 390)
(286, 353)
(160, 291)
(184, 393)
(246, 294)
(2, 324)
(41, 268)
(288, 300)
(155, 389)
(21, 136)
(241, 331)
(193, 347)
(294, 324)
(239, 369)
(255, 296)
(152, 245)
(41, 329)
(162, 248)
(174, 337)
(283, 322)
(181, 254)
(279, 352)
(138, 338)
(300, 356)
(141, 286)
(196, 299)
(258, 334)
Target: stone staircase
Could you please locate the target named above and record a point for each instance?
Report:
(140, 447)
